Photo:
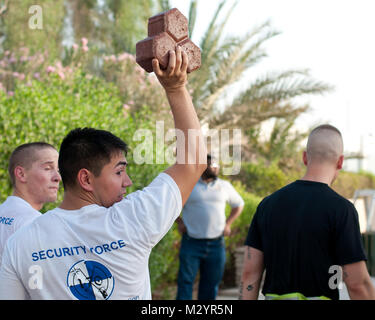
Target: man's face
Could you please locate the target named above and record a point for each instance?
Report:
(110, 186)
(212, 170)
(43, 177)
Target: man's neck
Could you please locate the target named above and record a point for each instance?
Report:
(75, 201)
(319, 175)
(25, 196)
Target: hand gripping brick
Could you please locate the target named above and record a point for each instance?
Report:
(165, 31)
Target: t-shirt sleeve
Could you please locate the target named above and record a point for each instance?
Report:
(254, 238)
(152, 210)
(348, 241)
(234, 198)
(11, 288)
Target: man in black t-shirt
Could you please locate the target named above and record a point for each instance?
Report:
(305, 234)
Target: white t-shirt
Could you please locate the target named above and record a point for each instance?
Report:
(204, 211)
(91, 253)
(14, 213)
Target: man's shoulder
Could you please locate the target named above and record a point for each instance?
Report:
(161, 181)
(224, 183)
(285, 190)
(26, 233)
(19, 211)
(325, 196)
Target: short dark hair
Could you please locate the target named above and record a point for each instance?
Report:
(24, 156)
(87, 148)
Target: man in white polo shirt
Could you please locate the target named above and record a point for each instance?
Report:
(96, 245)
(35, 179)
(203, 227)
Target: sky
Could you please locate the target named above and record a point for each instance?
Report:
(333, 39)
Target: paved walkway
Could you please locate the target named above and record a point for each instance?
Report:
(232, 293)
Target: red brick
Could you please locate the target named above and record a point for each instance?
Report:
(154, 47)
(193, 53)
(165, 30)
(172, 21)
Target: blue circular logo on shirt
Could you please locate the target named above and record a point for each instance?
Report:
(90, 280)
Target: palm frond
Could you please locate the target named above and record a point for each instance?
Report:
(163, 5)
(285, 85)
(192, 16)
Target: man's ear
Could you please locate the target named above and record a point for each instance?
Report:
(84, 178)
(340, 162)
(20, 174)
(304, 158)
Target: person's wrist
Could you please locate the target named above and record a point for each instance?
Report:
(177, 89)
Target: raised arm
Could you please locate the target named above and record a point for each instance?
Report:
(191, 153)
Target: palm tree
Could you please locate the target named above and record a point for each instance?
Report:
(226, 61)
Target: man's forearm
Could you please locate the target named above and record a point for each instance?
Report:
(234, 214)
(363, 292)
(187, 123)
(248, 290)
(252, 273)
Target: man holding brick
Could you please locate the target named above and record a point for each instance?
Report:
(101, 241)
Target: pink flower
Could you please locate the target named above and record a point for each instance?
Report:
(21, 76)
(50, 69)
(37, 75)
(131, 102)
(140, 70)
(125, 106)
(84, 42)
(85, 48)
(61, 75)
(125, 56)
(75, 46)
(121, 57)
(10, 93)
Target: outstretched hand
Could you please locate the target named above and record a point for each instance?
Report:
(175, 76)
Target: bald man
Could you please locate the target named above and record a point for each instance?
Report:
(306, 236)
(33, 171)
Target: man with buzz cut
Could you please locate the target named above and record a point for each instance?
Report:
(35, 178)
(96, 244)
(304, 231)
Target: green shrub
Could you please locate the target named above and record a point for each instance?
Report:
(48, 111)
(262, 180)
(347, 183)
